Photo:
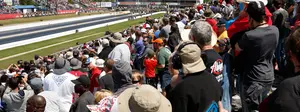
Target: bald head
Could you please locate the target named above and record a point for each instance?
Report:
(36, 103)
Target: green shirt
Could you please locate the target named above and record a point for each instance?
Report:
(163, 56)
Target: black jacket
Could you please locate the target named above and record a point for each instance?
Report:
(105, 52)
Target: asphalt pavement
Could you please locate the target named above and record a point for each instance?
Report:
(33, 32)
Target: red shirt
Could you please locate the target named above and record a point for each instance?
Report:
(150, 65)
(94, 79)
(77, 73)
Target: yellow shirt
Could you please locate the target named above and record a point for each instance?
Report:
(223, 35)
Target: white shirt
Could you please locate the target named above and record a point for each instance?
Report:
(180, 26)
(62, 85)
(53, 101)
(120, 52)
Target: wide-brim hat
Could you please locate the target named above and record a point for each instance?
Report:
(61, 66)
(209, 13)
(117, 38)
(143, 98)
(191, 59)
(75, 64)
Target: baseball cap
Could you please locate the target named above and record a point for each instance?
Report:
(83, 80)
(144, 98)
(69, 55)
(191, 59)
(90, 60)
(256, 9)
(148, 26)
(221, 22)
(36, 83)
(143, 30)
(100, 63)
(158, 41)
(105, 42)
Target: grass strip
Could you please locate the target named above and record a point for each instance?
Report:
(43, 18)
(47, 51)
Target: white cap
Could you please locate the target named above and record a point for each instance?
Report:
(105, 42)
(100, 63)
(143, 30)
(148, 26)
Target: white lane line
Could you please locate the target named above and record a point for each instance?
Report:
(20, 54)
(39, 31)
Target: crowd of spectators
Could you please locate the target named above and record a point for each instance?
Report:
(213, 58)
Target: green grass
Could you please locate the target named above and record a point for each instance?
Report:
(47, 51)
(44, 18)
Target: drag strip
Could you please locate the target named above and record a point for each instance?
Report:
(33, 32)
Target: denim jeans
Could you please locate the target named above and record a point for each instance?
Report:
(226, 99)
(253, 94)
(165, 78)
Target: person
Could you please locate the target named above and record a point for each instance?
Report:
(106, 49)
(16, 99)
(60, 82)
(174, 38)
(53, 101)
(192, 94)
(139, 48)
(209, 14)
(203, 35)
(143, 98)
(85, 96)
(75, 67)
(285, 97)
(163, 54)
(36, 103)
(166, 28)
(99, 95)
(156, 31)
(137, 77)
(106, 82)
(222, 32)
(121, 51)
(122, 73)
(258, 72)
(150, 63)
(278, 19)
(95, 73)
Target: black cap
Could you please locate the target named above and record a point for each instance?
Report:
(256, 10)
(221, 22)
(83, 80)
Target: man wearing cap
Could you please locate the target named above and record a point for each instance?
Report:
(222, 32)
(162, 58)
(85, 96)
(95, 73)
(258, 45)
(60, 82)
(121, 51)
(106, 49)
(198, 90)
(53, 101)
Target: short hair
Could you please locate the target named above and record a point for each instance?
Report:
(292, 43)
(202, 32)
(109, 64)
(13, 83)
(150, 54)
(156, 26)
(277, 3)
(165, 20)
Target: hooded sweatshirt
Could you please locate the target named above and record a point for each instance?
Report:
(16, 102)
(121, 73)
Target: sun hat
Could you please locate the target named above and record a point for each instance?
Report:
(61, 66)
(144, 98)
(83, 80)
(208, 13)
(100, 63)
(75, 64)
(190, 56)
(105, 42)
(69, 55)
(117, 38)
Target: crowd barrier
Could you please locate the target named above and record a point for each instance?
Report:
(9, 16)
(67, 11)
